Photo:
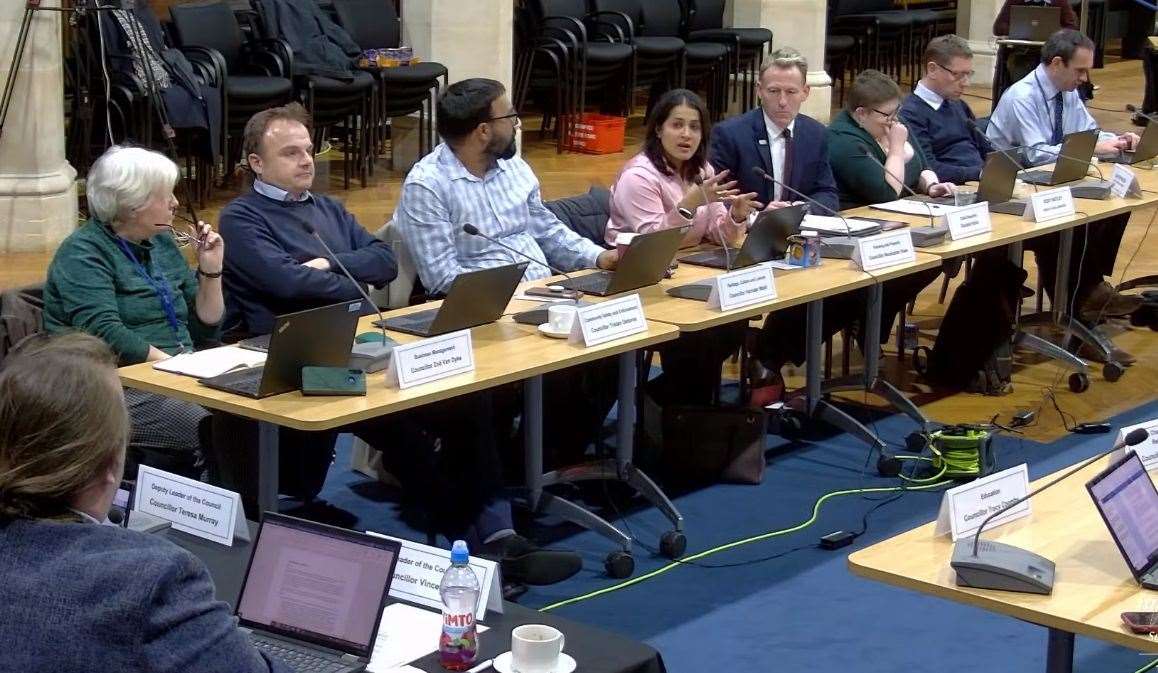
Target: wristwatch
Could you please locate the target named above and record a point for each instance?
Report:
(686, 213)
(202, 272)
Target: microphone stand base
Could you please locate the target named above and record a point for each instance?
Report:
(1003, 567)
(370, 357)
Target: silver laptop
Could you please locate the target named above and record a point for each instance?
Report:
(1033, 23)
(1146, 150)
(1128, 502)
(313, 594)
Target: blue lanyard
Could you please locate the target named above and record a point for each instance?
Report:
(161, 289)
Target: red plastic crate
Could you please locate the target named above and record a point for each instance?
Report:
(594, 134)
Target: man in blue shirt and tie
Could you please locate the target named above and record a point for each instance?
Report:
(1036, 113)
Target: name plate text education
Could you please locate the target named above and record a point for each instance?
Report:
(1147, 450)
(190, 506)
(972, 220)
(880, 251)
(965, 507)
(431, 359)
(741, 288)
(1050, 204)
(608, 321)
(421, 567)
(1124, 183)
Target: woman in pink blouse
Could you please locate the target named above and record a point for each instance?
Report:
(671, 184)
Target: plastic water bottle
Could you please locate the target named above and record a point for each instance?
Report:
(458, 645)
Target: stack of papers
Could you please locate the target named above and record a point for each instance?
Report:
(407, 633)
(211, 362)
(835, 226)
(910, 207)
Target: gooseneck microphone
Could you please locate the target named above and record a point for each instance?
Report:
(1009, 568)
(474, 231)
(372, 356)
(870, 157)
(699, 182)
(760, 172)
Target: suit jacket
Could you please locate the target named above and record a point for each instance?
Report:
(79, 597)
(741, 143)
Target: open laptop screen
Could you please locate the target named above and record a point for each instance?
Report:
(1128, 501)
(317, 583)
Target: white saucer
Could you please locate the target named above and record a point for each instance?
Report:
(503, 663)
(545, 330)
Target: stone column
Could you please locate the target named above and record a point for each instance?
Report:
(472, 39)
(802, 25)
(37, 185)
(975, 24)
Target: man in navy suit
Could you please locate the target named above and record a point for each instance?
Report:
(775, 137)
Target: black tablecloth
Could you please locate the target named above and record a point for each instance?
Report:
(596, 651)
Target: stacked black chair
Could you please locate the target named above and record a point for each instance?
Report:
(336, 105)
(708, 63)
(254, 72)
(402, 90)
(896, 33)
(659, 52)
(705, 22)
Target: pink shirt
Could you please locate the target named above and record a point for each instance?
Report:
(645, 200)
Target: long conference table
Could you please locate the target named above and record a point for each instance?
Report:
(508, 352)
(1092, 588)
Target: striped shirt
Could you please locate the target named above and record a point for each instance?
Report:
(440, 195)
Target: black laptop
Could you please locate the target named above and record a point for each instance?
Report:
(644, 263)
(1146, 150)
(998, 179)
(1128, 502)
(313, 594)
(767, 240)
(1033, 23)
(475, 298)
(318, 337)
(1078, 149)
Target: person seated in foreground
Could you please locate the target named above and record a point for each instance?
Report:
(1035, 114)
(670, 184)
(122, 278)
(78, 595)
(451, 471)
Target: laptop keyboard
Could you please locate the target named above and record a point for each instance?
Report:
(595, 283)
(712, 258)
(298, 660)
(245, 382)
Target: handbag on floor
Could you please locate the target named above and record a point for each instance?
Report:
(708, 444)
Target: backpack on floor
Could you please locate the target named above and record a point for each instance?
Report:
(972, 349)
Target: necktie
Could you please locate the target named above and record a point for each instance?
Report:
(1058, 107)
(788, 153)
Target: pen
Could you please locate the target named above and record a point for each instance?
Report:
(482, 667)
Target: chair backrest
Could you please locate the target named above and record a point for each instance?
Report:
(706, 14)
(373, 24)
(632, 8)
(585, 214)
(397, 293)
(843, 7)
(208, 24)
(21, 316)
(662, 18)
(575, 8)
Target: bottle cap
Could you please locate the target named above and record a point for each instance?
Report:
(459, 552)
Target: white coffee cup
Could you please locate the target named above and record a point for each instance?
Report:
(535, 648)
(560, 318)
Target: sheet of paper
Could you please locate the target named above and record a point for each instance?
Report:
(211, 361)
(407, 633)
(541, 300)
(826, 224)
(915, 207)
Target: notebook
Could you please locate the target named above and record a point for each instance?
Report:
(211, 362)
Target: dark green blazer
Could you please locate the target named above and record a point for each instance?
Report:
(859, 180)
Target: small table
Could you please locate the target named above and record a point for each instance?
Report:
(595, 650)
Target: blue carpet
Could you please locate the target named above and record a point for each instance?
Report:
(805, 608)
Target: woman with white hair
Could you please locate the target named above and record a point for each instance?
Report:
(122, 277)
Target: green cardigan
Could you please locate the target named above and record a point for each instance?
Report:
(92, 286)
(859, 180)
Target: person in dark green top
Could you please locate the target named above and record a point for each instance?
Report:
(869, 122)
(122, 277)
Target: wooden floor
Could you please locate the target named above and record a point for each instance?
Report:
(568, 174)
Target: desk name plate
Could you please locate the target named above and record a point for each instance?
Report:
(965, 507)
(431, 359)
(1124, 183)
(1050, 204)
(1148, 450)
(421, 567)
(741, 288)
(880, 251)
(191, 506)
(608, 321)
(971, 220)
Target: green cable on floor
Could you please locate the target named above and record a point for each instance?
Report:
(737, 543)
(1148, 667)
